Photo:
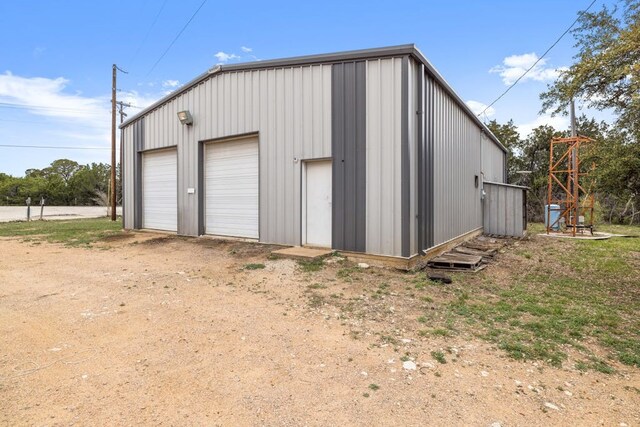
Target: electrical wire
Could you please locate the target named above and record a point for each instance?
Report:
(68, 123)
(176, 37)
(146, 36)
(582, 12)
(45, 108)
(54, 147)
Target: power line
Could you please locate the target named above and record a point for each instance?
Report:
(55, 147)
(146, 36)
(177, 37)
(75, 125)
(44, 108)
(582, 12)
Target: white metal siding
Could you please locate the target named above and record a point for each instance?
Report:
(493, 160)
(231, 185)
(384, 156)
(456, 144)
(159, 190)
(289, 107)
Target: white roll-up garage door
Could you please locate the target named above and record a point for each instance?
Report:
(231, 188)
(160, 190)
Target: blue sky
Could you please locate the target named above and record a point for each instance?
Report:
(56, 56)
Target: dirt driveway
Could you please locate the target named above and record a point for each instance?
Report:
(153, 330)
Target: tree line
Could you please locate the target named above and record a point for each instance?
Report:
(605, 75)
(63, 183)
(615, 180)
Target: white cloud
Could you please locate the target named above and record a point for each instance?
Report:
(246, 49)
(46, 97)
(170, 83)
(558, 122)
(223, 57)
(478, 107)
(514, 66)
(59, 116)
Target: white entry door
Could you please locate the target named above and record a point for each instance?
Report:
(318, 204)
(160, 190)
(231, 188)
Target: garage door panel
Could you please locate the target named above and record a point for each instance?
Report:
(231, 188)
(160, 190)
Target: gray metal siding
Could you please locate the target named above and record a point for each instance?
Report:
(456, 151)
(414, 121)
(504, 210)
(493, 161)
(384, 155)
(290, 108)
(128, 177)
(348, 123)
(138, 147)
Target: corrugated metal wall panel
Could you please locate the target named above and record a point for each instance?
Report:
(384, 124)
(128, 176)
(493, 159)
(413, 120)
(456, 145)
(503, 210)
(289, 107)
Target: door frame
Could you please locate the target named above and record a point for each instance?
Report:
(303, 196)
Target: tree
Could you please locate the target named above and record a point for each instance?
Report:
(606, 73)
(510, 138)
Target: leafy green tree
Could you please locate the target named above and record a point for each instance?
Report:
(606, 72)
(510, 137)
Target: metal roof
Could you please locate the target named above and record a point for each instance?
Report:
(327, 58)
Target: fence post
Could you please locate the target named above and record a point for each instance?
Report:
(28, 208)
(41, 207)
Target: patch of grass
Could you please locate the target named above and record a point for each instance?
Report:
(257, 266)
(316, 286)
(374, 387)
(347, 273)
(440, 332)
(77, 232)
(569, 294)
(311, 266)
(593, 363)
(316, 300)
(439, 357)
(632, 388)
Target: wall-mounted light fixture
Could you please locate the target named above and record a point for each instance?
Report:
(185, 117)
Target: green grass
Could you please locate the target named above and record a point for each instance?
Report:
(439, 357)
(254, 266)
(311, 266)
(578, 292)
(77, 232)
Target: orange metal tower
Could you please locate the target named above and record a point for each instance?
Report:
(566, 190)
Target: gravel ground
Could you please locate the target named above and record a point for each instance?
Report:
(146, 329)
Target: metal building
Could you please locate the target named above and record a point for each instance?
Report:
(367, 151)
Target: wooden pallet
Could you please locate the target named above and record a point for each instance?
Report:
(456, 261)
(470, 251)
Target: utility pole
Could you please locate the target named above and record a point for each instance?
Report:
(121, 107)
(574, 168)
(113, 143)
(113, 140)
